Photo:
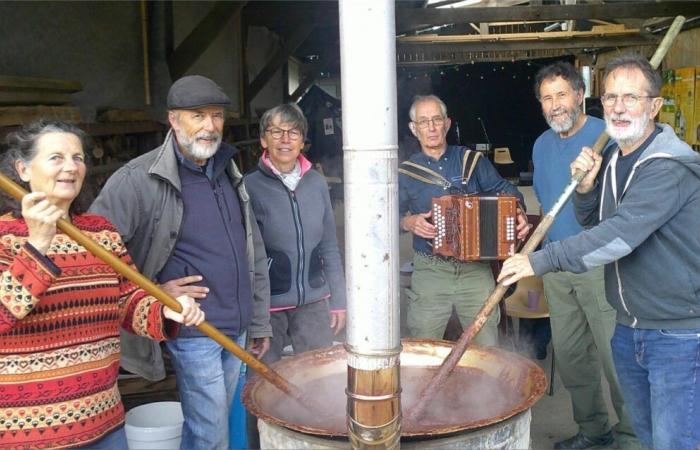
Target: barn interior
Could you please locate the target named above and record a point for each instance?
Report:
(107, 67)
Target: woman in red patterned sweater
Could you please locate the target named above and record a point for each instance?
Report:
(61, 307)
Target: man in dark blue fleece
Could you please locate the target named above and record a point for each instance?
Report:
(644, 207)
(185, 216)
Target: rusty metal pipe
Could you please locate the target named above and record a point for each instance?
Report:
(368, 40)
(16, 191)
(537, 236)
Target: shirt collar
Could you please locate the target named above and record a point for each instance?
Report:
(423, 157)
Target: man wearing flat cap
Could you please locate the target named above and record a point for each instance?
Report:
(185, 217)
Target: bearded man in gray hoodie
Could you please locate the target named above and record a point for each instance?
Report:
(644, 210)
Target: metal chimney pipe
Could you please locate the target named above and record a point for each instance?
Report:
(368, 81)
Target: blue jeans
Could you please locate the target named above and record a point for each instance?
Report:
(207, 375)
(659, 373)
(115, 440)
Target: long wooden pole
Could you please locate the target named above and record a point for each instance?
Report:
(537, 236)
(11, 188)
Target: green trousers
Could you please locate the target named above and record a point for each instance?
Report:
(582, 325)
(437, 285)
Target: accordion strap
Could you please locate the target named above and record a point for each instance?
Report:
(423, 174)
(469, 160)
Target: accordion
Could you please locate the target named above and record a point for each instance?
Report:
(474, 228)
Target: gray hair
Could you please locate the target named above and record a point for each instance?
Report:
(636, 62)
(21, 146)
(425, 98)
(288, 113)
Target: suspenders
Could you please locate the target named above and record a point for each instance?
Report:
(429, 176)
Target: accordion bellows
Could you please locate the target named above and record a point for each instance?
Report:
(475, 228)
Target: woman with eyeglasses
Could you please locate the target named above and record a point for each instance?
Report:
(61, 307)
(293, 209)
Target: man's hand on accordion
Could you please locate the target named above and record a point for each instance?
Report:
(418, 224)
(515, 268)
(522, 227)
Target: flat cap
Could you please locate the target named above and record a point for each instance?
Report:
(194, 91)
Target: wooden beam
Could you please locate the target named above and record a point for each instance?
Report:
(199, 39)
(610, 30)
(279, 58)
(417, 49)
(10, 83)
(306, 83)
(243, 107)
(329, 57)
(410, 19)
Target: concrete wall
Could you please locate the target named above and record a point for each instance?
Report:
(99, 44)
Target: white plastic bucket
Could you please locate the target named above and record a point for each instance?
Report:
(154, 426)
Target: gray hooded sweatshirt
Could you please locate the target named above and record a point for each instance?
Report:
(647, 236)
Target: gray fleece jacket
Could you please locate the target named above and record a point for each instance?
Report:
(298, 228)
(648, 237)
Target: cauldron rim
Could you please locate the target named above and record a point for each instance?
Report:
(535, 373)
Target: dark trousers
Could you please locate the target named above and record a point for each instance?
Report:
(307, 327)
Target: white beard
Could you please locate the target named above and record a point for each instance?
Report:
(632, 133)
(567, 121)
(196, 148)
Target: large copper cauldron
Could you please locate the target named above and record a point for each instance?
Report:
(488, 386)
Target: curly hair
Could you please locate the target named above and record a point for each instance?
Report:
(21, 146)
(561, 69)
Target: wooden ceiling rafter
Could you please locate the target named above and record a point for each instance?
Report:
(597, 31)
(201, 36)
(280, 58)
(311, 71)
(412, 19)
(476, 51)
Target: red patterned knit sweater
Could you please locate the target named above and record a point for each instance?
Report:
(59, 336)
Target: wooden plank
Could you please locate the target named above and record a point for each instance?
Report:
(22, 115)
(410, 19)
(34, 98)
(201, 36)
(123, 115)
(95, 129)
(11, 83)
(539, 36)
(417, 48)
(109, 128)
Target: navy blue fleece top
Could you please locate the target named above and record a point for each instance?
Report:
(212, 244)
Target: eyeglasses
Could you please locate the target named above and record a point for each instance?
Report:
(437, 121)
(293, 133)
(629, 100)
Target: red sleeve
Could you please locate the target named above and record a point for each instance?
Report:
(26, 275)
(142, 314)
